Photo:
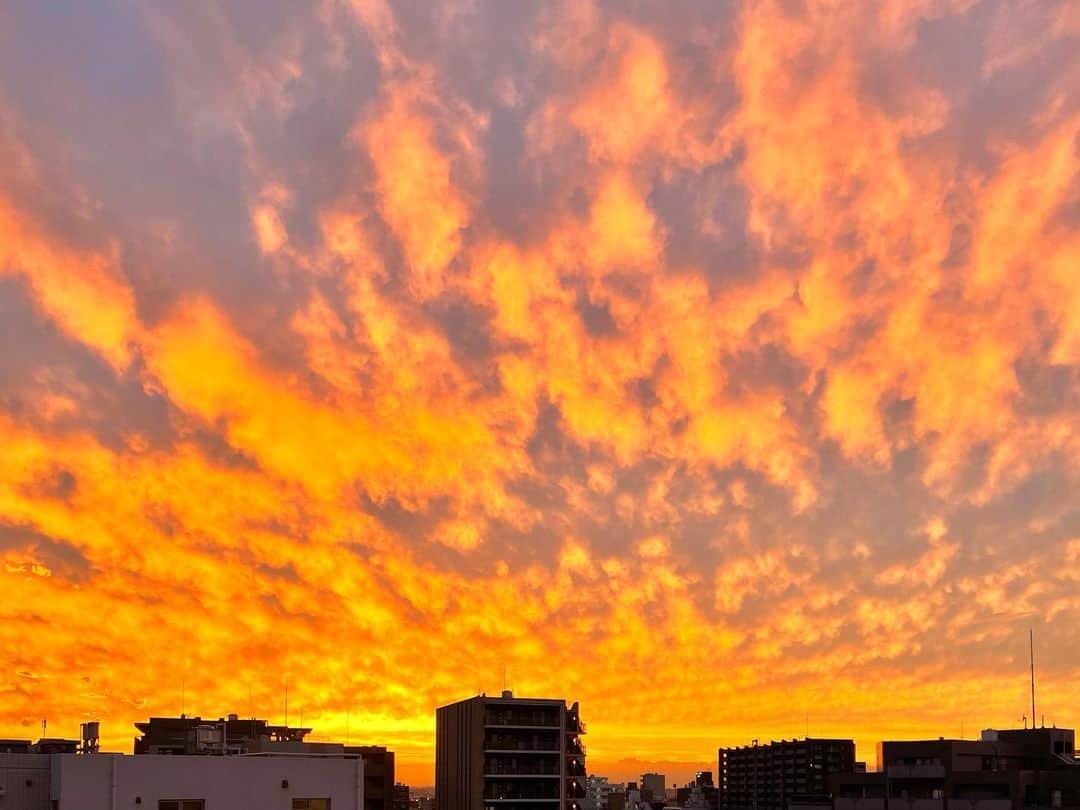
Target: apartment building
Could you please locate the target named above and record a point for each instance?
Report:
(773, 776)
(1010, 769)
(508, 753)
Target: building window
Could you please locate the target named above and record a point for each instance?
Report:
(311, 804)
(181, 804)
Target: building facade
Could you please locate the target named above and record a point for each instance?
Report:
(164, 782)
(24, 779)
(701, 794)
(507, 753)
(774, 776)
(654, 787)
(378, 775)
(1004, 770)
(232, 735)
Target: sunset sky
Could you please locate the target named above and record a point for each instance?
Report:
(715, 364)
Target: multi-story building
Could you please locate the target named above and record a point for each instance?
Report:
(401, 796)
(1004, 770)
(597, 791)
(773, 776)
(701, 794)
(507, 753)
(232, 735)
(378, 775)
(653, 787)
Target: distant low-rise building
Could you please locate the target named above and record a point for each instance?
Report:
(597, 791)
(701, 794)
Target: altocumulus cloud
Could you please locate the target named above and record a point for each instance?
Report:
(714, 363)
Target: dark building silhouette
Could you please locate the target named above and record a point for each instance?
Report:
(701, 794)
(1004, 770)
(378, 775)
(195, 735)
(507, 753)
(773, 776)
(46, 745)
(401, 796)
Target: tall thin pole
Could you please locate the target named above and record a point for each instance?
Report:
(1031, 641)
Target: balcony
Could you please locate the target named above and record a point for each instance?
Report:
(574, 724)
(575, 747)
(505, 775)
(521, 791)
(575, 789)
(522, 718)
(532, 766)
(513, 743)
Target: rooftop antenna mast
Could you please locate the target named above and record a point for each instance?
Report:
(1031, 647)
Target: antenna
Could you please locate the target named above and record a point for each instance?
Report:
(1031, 640)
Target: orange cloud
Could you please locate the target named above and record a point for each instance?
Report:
(604, 346)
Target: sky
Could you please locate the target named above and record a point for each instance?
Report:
(713, 364)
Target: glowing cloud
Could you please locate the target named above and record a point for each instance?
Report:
(715, 365)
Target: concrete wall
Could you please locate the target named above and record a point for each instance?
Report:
(115, 782)
(24, 781)
(950, 804)
(459, 755)
(843, 803)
